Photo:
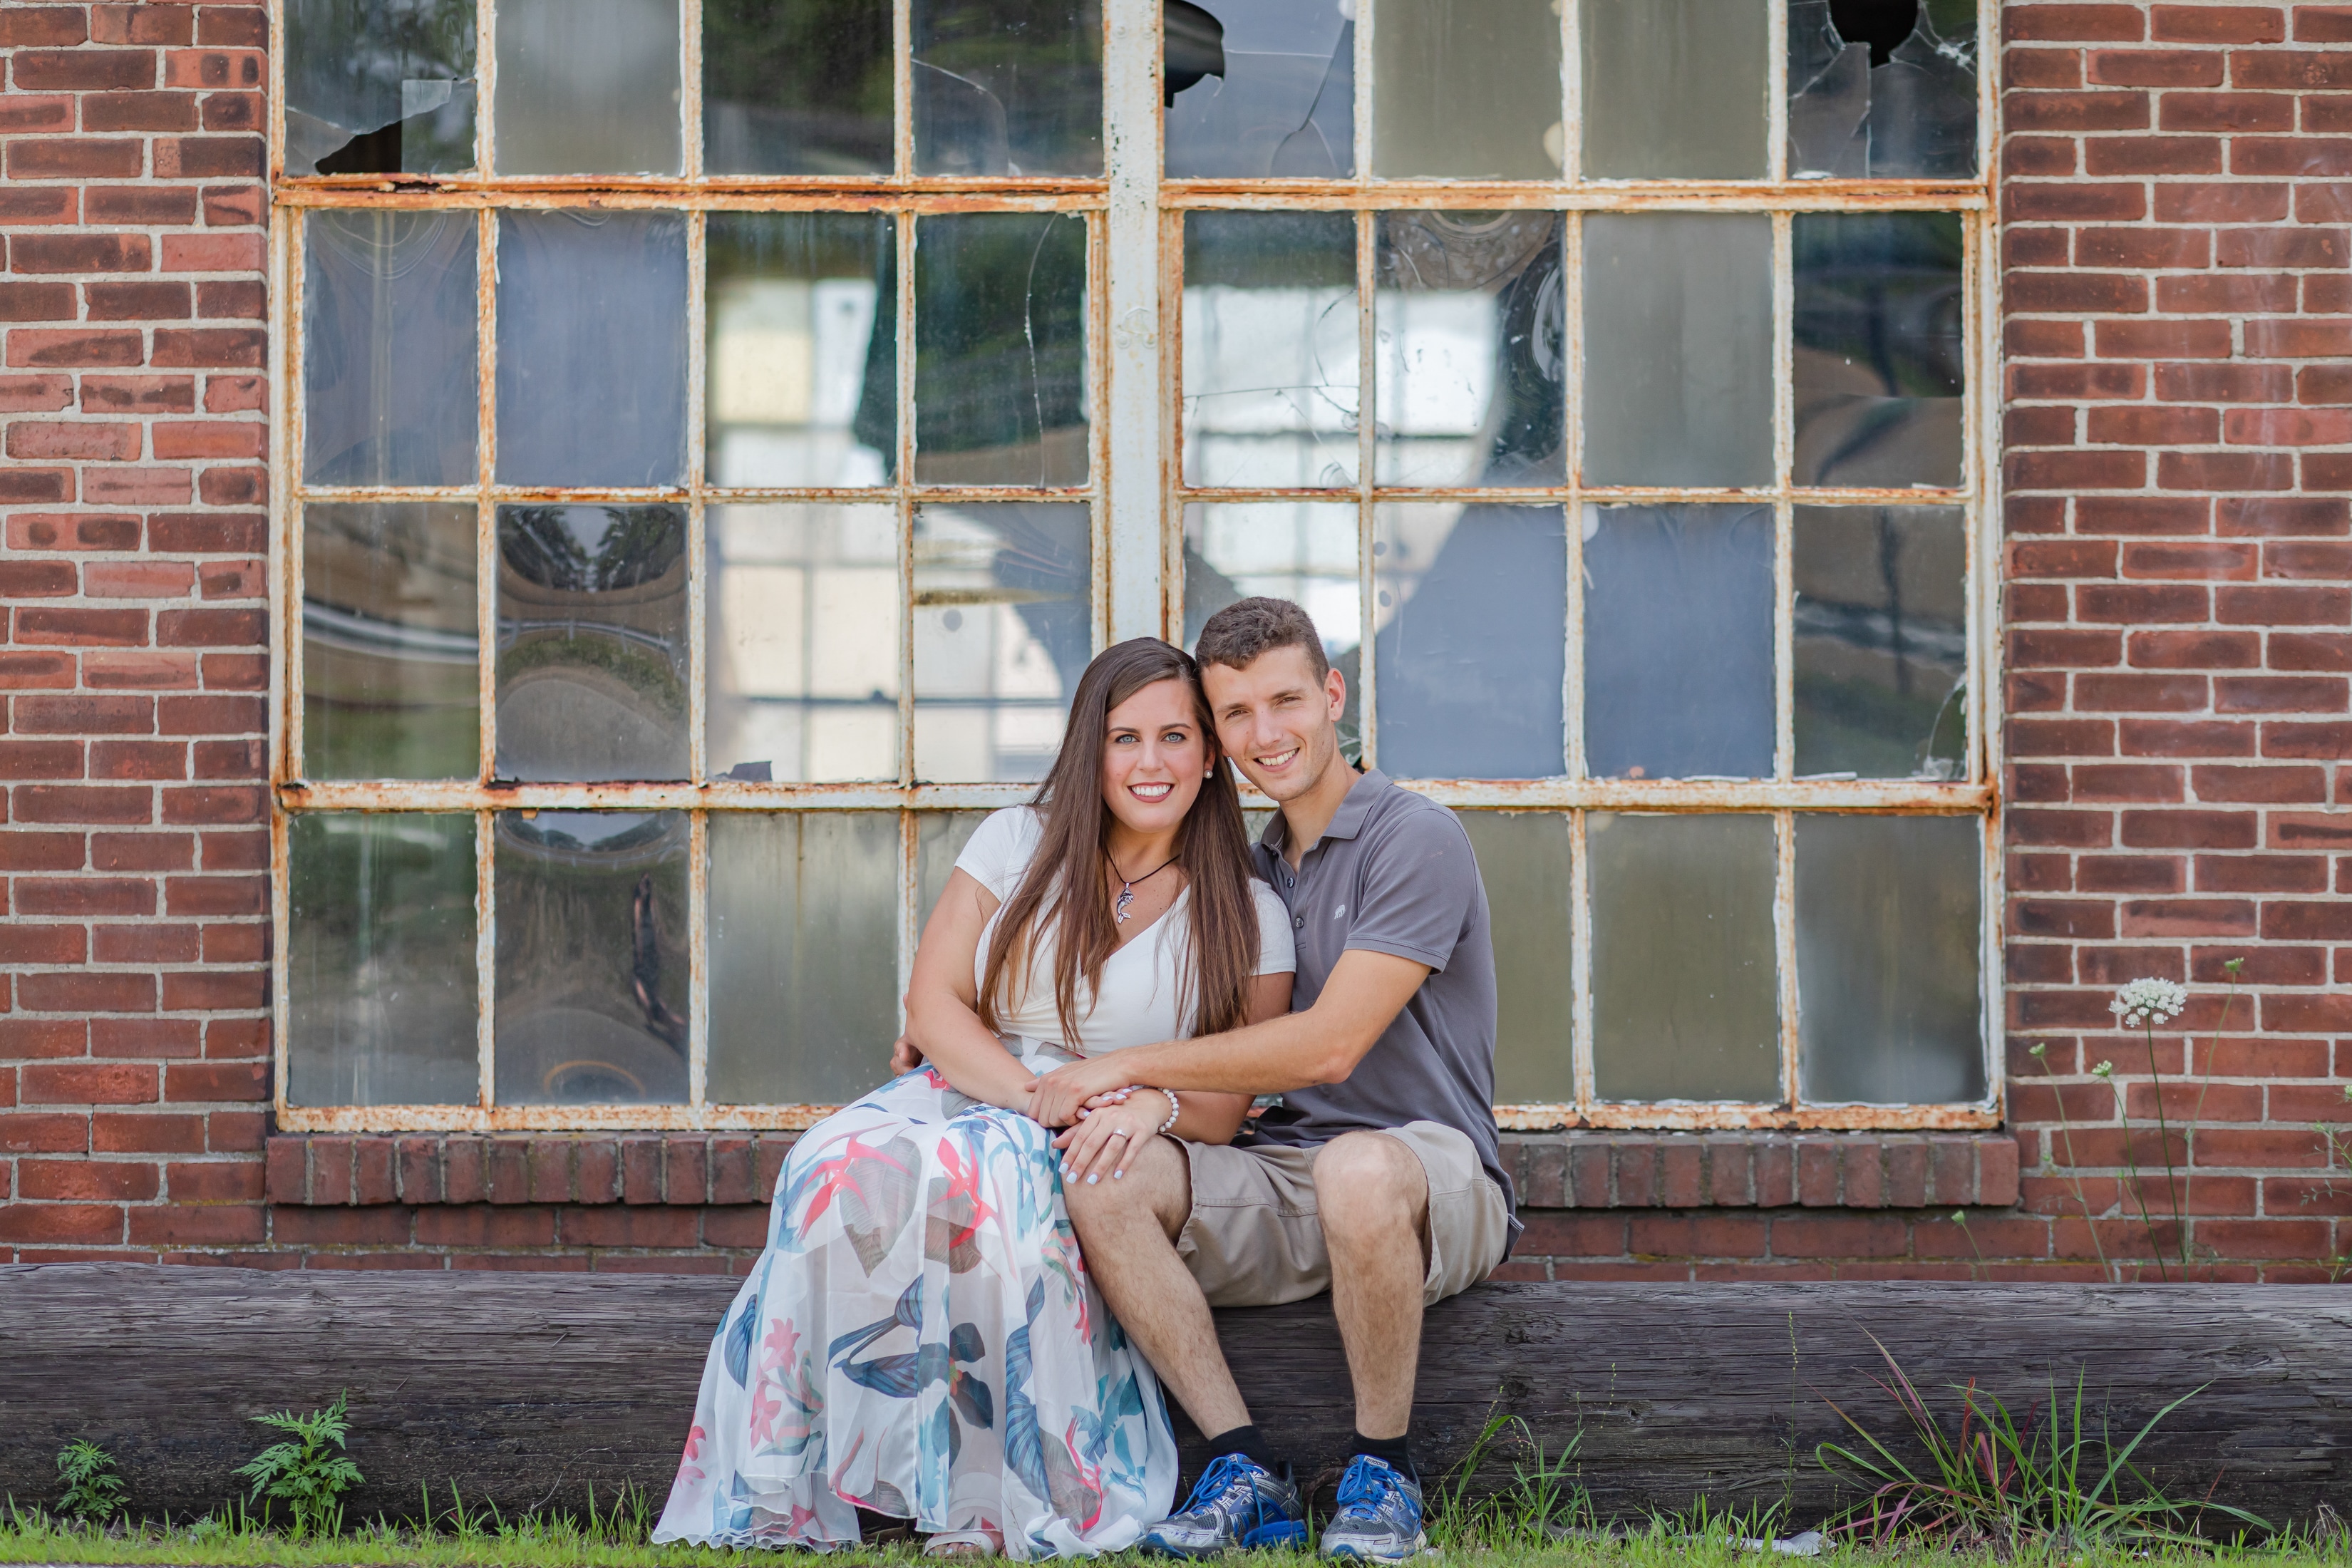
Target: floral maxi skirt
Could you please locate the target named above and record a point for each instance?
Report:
(920, 1339)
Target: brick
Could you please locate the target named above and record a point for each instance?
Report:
(82, 70)
(2156, 67)
(2226, 112)
(2072, 24)
(79, 252)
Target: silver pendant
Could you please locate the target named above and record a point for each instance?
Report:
(1126, 897)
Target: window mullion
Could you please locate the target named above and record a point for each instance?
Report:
(1130, 402)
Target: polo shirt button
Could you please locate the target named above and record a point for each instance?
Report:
(1298, 922)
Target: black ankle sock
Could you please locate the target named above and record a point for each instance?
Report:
(1244, 1441)
(1394, 1452)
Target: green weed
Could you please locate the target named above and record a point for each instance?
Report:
(93, 1493)
(309, 1473)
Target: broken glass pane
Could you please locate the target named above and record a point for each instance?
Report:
(1685, 987)
(389, 369)
(1881, 89)
(380, 960)
(804, 360)
(1469, 89)
(1675, 90)
(1890, 1004)
(379, 87)
(1004, 626)
(1008, 87)
(1270, 349)
(1881, 644)
(1524, 858)
(1677, 642)
(592, 348)
(593, 988)
(1678, 349)
(1471, 323)
(592, 643)
(1879, 379)
(801, 617)
(587, 87)
(796, 87)
(1000, 349)
(1260, 89)
(390, 682)
(1301, 551)
(1469, 631)
(803, 955)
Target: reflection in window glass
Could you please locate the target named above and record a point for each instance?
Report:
(1270, 349)
(1002, 629)
(1881, 643)
(593, 993)
(1890, 1003)
(380, 960)
(939, 838)
(1678, 349)
(1301, 551)
(1000, 349)
(803, 955)
(1469, 618)
(1881, 89)
(1471, 321)
(592, 643)
(801, 88)
(587, 87)
(391, 688)
(1675, 90)
(1678, 642)
(592, 348)
(1259, 89)
(802, 614)
(802, 311)
(379, 87)
(389, 370)
(1685, 999)
(1470, 91)
(1008, 87)
(1878, 352)
(1524, 858)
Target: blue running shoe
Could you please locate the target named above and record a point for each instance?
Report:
(1239, 1504)
(1379, 1515)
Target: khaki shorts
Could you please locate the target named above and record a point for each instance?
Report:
(1253, 1238)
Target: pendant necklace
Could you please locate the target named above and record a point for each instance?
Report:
(1127, 886)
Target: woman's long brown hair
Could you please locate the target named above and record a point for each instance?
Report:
(1065, 883)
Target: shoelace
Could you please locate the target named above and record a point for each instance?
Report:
(1368, 1482)
(1224, 1473)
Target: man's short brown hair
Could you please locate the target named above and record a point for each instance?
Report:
(1238, 634)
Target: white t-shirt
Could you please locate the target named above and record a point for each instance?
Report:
(1142, 982)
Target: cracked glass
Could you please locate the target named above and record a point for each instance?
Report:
(379, 87)
(801, 88)
(1467, 89)
(1001, 350)
(1675, 90)
(388, 365)
(1881, 89)
(1879, 387)
(587, 87)
(1305, 552)
(1007, 87)
(1270, 349)
(1881, 642)
(1260, 91)
(1002, 629)
(391, 683)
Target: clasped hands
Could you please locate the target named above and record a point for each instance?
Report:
(1088, 1100)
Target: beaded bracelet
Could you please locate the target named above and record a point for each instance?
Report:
(1174, 1110)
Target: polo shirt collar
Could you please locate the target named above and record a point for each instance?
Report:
(1346, 822)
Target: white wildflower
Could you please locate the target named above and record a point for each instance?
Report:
(2104, 1070)
(2156, 1002)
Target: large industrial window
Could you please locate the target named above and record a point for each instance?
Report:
(716, 434)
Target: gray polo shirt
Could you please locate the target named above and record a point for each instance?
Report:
(1394, 873)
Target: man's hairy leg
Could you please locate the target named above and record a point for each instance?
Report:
(1127, 1231)
(1373, 1198)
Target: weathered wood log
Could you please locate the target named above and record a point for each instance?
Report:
(526, 1390)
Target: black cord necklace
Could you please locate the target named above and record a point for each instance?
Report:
(1126, 884)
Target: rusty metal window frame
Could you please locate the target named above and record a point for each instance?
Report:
(1137, 496)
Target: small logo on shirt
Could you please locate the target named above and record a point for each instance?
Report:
(1339, 912)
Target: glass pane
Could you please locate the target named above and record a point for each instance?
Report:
(379, 87)
(1881, 89)
(1270, 349)
(939, 838)
(1470, 619)
(1678, 349)
(1524, 857)
(389, 369)
(1000, 349)
(802, 623)
(803, 955)
(1879, 349)
(1004, 627)
(592, 348)
(796, 87)
(380, 960)
(391, 688)
(1264, 89)
(1301, 551)
(1880, 644)
(1685, 984)
(587, 87)
(593, 987)
(1468, 88)
(1678, 642)
(1008, 87)
(1471, 319)
(1675, 90)
(1889, 995)
(804, 351)
(592, 643)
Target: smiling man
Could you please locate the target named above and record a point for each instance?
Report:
(1379, 1176)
